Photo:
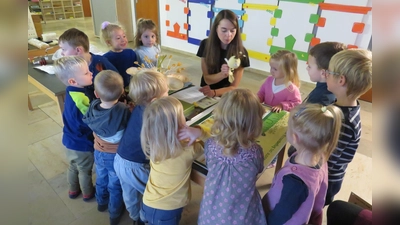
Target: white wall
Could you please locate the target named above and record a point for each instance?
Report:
(293, 22)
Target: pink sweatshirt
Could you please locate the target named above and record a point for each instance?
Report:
(288, 97)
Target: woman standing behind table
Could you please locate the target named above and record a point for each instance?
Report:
(223, 42)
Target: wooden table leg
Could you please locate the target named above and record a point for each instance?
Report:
(29, 103)
(279, 162)
(60, 103)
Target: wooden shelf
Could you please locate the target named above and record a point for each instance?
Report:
(54, 10)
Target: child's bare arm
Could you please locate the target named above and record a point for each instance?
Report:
(192, 134)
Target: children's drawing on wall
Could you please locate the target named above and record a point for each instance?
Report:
(271, 25)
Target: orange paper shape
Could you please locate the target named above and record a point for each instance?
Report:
(358, 28)
(314, 41)
(185, 26)
(167, 23)
(166, 7)
(352, 46)
(321, 22)
(186, 10)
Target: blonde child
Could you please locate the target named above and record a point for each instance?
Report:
(77, 138)
(168, 188)
(281, 89)
(130, 163)
(297, 193)
(349, 76)
(108, 119)
(113, 35)
(76, 42)
(234, 160)
(146, 43)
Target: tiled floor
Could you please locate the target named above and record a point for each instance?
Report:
(48, 199)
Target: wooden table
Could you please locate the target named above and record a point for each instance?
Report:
(48, 84)
(272, 140)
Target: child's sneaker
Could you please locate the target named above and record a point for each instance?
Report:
(88, 197)
(102, 208)
(74, 194)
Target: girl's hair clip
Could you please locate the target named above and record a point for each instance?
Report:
(299, 112)
(104, 25)
(323, 109)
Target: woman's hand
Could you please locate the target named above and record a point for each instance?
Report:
(207, 91)
(225, 70)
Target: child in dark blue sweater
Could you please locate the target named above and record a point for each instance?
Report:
(113, 35)
(77, 138)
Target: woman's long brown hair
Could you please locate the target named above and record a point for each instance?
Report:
(214, 44)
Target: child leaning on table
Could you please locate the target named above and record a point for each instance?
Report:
(234, 160)
(130, 163)
(108, 118)
(76, 42)
(77, 138)
(168, 188)
(297, 193)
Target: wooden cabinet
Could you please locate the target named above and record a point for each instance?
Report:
(61, 9)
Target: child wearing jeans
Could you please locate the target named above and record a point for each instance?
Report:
(168, 188)
(108, 119)
(297, 193)
(349, 76)
(234, 161)
(130, 163)
(77, 138)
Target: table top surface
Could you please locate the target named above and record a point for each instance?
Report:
(49, 81)
(272, 139)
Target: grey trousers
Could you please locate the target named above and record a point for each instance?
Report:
(79, 173)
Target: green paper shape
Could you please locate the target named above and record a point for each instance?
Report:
(278, 13)
(289, 42)
(308, 37)
(314, 18)
(274, 32)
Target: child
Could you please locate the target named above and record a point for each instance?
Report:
(120, 56)
(223, 42)
(318, 63)
(130, 163)
(298, 190)
(281, 89)
(168, 188)
(77, 138)
(108, 119)
(146, 43)
(76, 42)
(349, 76)
(234, 160)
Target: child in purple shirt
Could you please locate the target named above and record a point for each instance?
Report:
(298, 190)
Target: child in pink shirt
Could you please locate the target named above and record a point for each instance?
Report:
(281, 89)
